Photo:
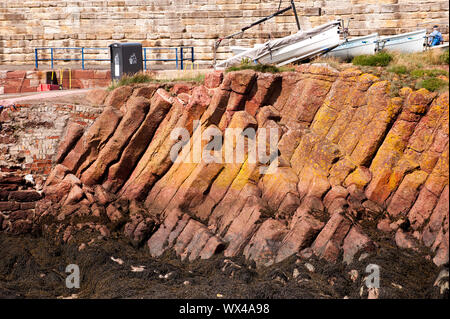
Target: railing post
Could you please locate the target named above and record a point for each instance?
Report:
(51, 56)
(181, 58)
(193, 60)
(145, 59)
(176, 57)
(82, 58)
(36, 58)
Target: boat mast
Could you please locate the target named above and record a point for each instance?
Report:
(295, 14)
(291, 7)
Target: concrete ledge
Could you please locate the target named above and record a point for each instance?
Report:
(21, 81)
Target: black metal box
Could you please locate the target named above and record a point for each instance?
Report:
(126, 58)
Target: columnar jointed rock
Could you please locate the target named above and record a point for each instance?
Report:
(349, 156)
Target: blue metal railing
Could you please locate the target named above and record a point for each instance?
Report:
(181, 54)
(163, 60)
(182, 58)
(52, 59)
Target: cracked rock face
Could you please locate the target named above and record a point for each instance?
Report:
(353, 162)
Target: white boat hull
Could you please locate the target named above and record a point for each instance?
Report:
(365, 45)
(308, 48)
(441, 46)
(239, 50)
(410, 42)
(299, 46)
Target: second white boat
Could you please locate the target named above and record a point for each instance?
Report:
(355, 46)
(410, 42)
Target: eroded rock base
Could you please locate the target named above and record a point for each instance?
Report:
(354, 165)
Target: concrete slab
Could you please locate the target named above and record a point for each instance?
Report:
(11, 99)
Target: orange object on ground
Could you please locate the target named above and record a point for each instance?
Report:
(47, 87)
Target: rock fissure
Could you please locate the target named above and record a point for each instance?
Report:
(349, 156)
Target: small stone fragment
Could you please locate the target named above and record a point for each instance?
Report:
(310, 267)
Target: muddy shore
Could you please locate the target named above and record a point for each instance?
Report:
(34, 267)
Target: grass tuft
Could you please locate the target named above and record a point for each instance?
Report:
(378, 59)
(246, 64)
(398, 69)
(129, 80)
(420, 59)
(432, 84)
(444, 57)
(416, 70)
(145, 78)
(330, 60)
(418, 73)
(199, 78)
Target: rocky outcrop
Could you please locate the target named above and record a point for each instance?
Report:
(351, 161)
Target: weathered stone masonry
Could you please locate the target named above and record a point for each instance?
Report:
(25, 25)
(29, 137)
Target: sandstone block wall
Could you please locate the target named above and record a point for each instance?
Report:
(25, 25)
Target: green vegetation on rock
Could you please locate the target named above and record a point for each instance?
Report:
(246, 64)
(398, 69)
(432, 84)
(444, 58)
(379, 59)
(129, 80)
(418, 73)
(145, 78)
(416, 70)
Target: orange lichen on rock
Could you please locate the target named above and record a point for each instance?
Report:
(348, 155)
